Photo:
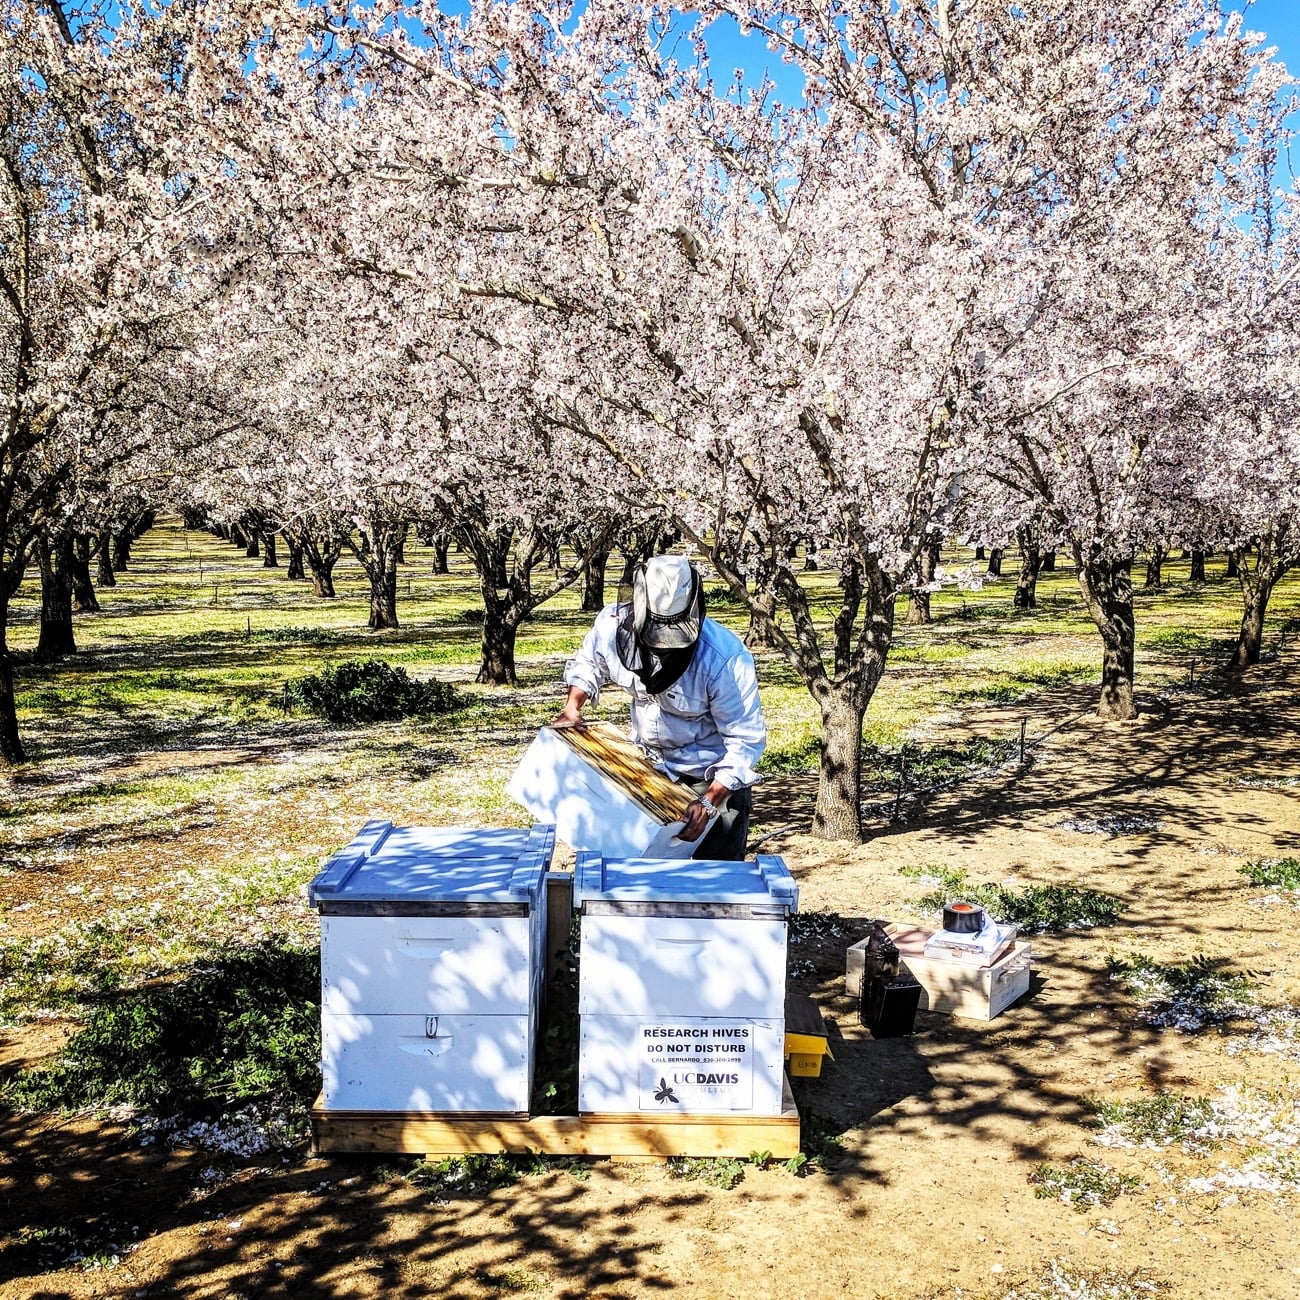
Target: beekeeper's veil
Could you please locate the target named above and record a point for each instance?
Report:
(660, 626)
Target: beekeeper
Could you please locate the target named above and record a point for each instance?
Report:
(695, 706)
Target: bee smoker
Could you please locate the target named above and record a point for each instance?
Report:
(890, 996)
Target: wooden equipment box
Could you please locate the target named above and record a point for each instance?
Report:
(953, 988)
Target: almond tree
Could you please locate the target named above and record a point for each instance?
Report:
(109, 233)
(818, 323)
(1246, 479)
(1103, 387)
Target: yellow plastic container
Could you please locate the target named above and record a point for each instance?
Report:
(805, 1037)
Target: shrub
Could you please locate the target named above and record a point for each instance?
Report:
(242, 1028)
(368, 690)
(297, 636)
(1035, 909)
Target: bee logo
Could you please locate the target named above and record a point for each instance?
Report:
(665, 1092)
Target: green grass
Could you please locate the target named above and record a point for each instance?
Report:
(191, 808)
(801, 755)
(1188, 995)
(1275, 873)
(1035, 909)
(1158, 1121)
(120, 939)
(721, 1171)
(1083, 1184)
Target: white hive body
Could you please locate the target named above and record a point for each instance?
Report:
(598, 790)
(432, 957)
(681, 983)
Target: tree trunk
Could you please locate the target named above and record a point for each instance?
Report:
(382, 543)
(295, 571)
(1256, 587)
(383, 595)
(269, 558)
(11, 744)
(84, 600)
(1198, 566)
(762, 621)
(1250, 640)
(506, 604)
(1234, 566)
(321, 552)
(1155, 568)
(322, 579)
(838, 813)
(1107, 587)
(104, 571)
(918, 602)
(980, 553)
(593, 580)
(1049, 562)
(1031, 561)
(497, 654)
(441, 545)
(126, 537)
(253, 548)
(56, 639)
(995, 562)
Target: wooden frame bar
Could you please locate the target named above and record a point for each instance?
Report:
(655, 1136)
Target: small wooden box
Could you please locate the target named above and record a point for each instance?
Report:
(953, 988)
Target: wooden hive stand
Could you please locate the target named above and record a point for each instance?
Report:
(335, 1132)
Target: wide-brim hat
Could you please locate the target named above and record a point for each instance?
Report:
(667, 603)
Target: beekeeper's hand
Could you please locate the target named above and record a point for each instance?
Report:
(701, 812)
(571, 714)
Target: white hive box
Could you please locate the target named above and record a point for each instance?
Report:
(590, 810)
(681, 985)
(432, 958)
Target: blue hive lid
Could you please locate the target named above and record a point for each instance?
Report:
(766, 882)
(425, 864)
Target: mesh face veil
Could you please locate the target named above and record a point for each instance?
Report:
(659, 627)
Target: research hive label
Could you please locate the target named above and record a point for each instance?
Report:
(695, 1067)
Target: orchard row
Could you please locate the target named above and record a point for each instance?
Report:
(542, 277)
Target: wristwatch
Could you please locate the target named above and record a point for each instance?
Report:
(709, 804)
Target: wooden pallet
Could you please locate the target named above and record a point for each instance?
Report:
(335, 1132)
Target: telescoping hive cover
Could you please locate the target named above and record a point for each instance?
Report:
(427, 864)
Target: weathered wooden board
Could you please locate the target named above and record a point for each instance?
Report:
(654, 1136)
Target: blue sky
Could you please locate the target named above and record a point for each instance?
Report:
(1279, 20)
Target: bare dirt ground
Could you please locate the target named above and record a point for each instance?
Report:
(927, 1191)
